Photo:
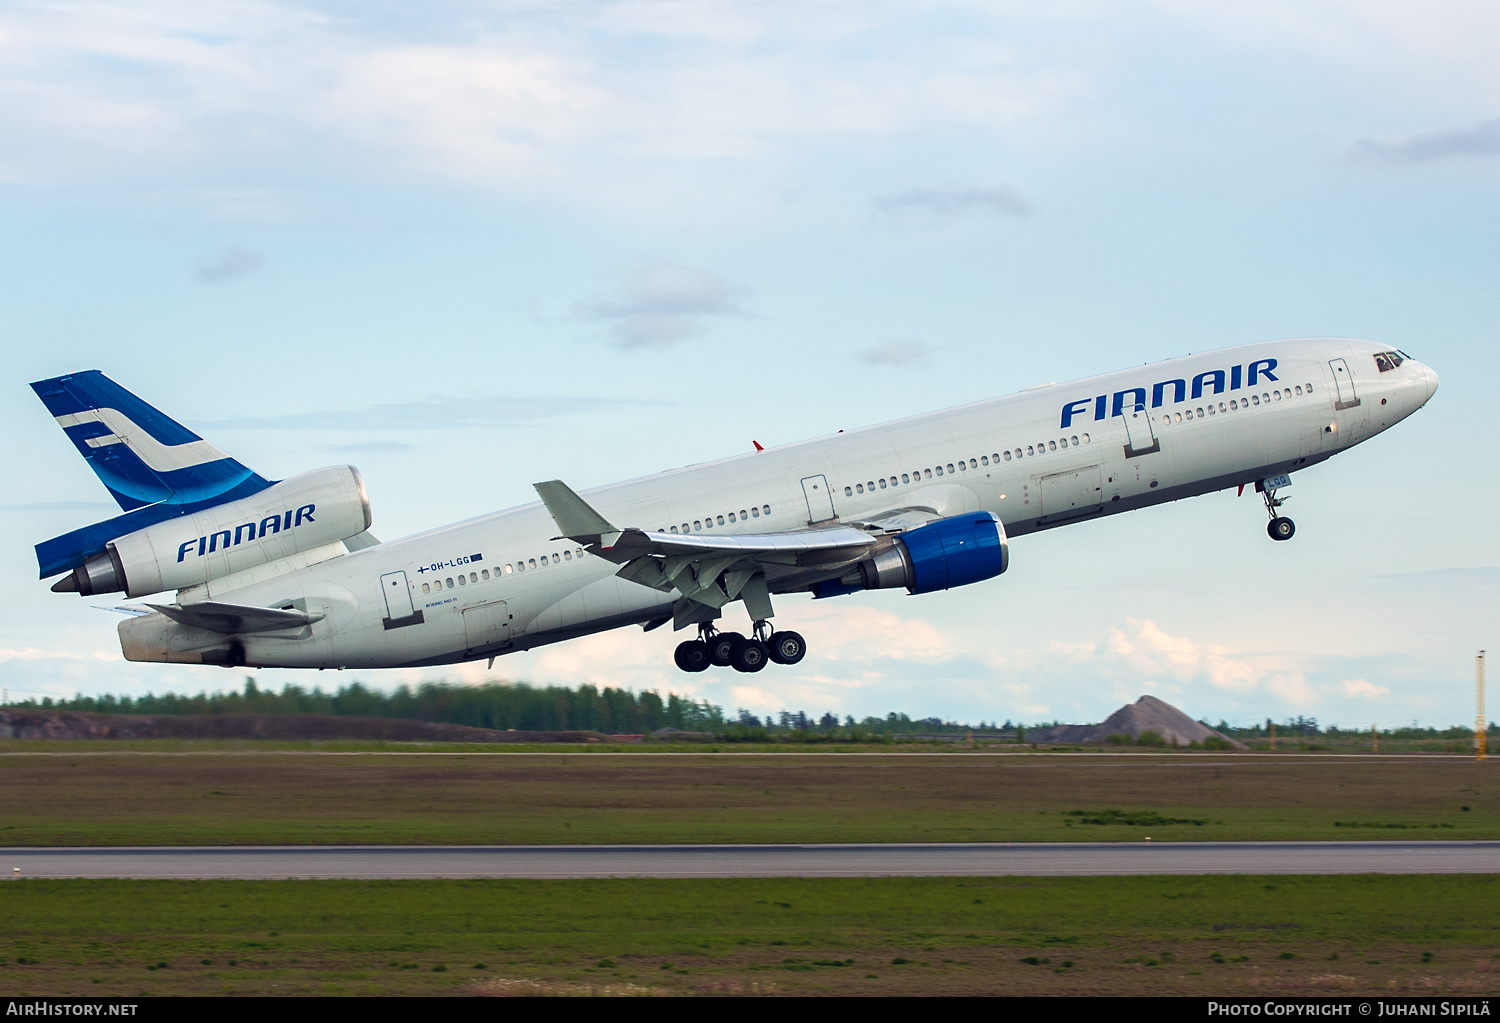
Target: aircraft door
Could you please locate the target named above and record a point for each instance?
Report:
(397, 595)
(486, 625)
(1070, 494)
(1140, 437)
(1347, 398)
(819, 499)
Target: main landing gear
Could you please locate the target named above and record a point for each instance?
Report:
(732, 650)
(1280, 527)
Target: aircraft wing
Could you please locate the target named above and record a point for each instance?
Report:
(709, 570)
(236, 618)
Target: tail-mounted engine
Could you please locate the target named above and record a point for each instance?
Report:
(950, 552)
(295, 515)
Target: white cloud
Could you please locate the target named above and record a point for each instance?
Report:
(35, 654)
(520, 97)
(949, 204)
(656, 304)
(1362, 688)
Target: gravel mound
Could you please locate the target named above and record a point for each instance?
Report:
(1148, 714)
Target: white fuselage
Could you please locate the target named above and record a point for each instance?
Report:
(482, 589)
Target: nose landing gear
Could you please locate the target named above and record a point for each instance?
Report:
(1280, 527)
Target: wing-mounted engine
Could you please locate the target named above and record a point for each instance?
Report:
(950, 552)
(307, 511)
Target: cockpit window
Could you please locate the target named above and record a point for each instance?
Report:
(1387, 361)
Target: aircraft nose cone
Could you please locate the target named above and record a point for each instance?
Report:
(1432, 379)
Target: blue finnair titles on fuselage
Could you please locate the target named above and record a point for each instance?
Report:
(1046, 457)
(1211, 382)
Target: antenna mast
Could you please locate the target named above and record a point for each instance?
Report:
(1481, 726)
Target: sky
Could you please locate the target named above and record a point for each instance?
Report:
(467, 246)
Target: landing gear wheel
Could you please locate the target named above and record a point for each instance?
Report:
(787, 647)
(1281, 528)
(692, 655)
(721, 648)
(751, 655)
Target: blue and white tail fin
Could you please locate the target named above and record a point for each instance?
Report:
(154, 467)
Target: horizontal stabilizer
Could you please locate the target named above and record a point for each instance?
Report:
(235, 619)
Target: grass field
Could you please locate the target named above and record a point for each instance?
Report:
(1200, 935)
(186, 795)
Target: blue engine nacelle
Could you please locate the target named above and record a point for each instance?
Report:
(950, 552)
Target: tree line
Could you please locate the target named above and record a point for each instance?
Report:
(515, 705)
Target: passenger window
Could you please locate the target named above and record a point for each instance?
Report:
(743, 516)
(940, 470)
(731, 516)
(766, 508)
(1308, 388)
(963, 466)
(882, 483)
(1233, 405)
(1212, 410)
(567, 555)
(755, 512)
(1255, 399)
(507, 568)
(473, 577)
(1075, 442)
(426, 588)
(1085, 438)
(1265, 397)
(984, 459)
(557, 559)
(950, 468)
(1298, 390)
(859, 488)
(848, 491)
(1007, 456)
(674, 529)
(1276, 395)
(1052, 445)
(697, 525)
(1029, 449)
(450, 583)
(532, 562)
(720, 520)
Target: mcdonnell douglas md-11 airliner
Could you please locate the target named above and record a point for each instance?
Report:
(286, 574)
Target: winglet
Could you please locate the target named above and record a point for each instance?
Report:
(575, 519)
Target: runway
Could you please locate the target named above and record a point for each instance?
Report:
(668, 861)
